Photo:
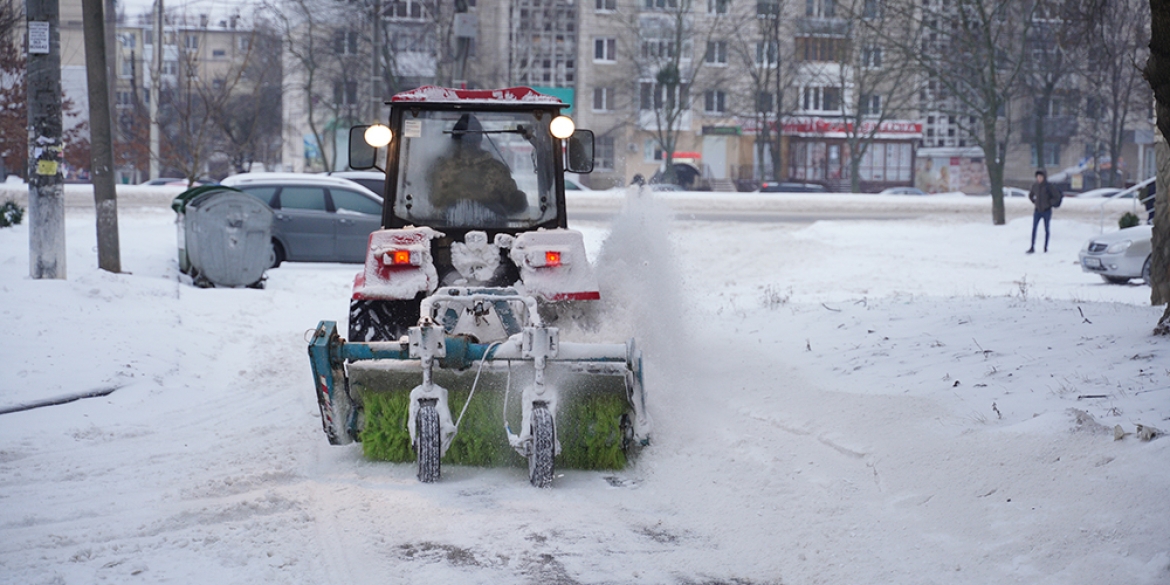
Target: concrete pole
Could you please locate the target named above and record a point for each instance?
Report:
(156, 91)
(101, 142)
(46, 193)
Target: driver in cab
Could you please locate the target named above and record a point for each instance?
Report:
(471, 174)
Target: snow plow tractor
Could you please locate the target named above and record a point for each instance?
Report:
(454, 351)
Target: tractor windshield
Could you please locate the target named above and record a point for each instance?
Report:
(476, 169)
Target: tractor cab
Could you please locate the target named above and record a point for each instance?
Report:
(460, 160)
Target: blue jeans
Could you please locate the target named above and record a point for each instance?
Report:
(1046, 215)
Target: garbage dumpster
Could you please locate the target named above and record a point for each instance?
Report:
(225, 236)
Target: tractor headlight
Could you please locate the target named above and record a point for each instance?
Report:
(562, 127)
(1118, 247)
(378, 135)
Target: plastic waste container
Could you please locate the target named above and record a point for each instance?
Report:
(225, 236)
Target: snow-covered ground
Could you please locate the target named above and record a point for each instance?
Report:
(907, 399)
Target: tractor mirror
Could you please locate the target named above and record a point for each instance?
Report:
(580, 152)
(362, 156)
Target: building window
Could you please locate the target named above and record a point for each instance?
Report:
(717, 52)
(821, 8)
(653, 96)
(718, 6)
(603, 153)
(345, 93)
(605, 50)
(871, 104)
(831, 99)
(125, 99)
(127, 68)
(871, 10)
(602, 99)
(767, 53)
(821, 99)
(714, 102)
(651, 151)
(1051, 155)
(764, 102)
(170, 68)
(871, 57)
(606, 5)
(217, 83)
(345, 42)
(666, 4)
(191, 42)
(219, 53)
(767, 8)
(412, 9)
(243, 43)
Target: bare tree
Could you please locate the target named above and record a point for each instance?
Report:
(249, 118)
(1157, 72)
(667, 46)
(1116, 91)
(1055, 49)
(767, 59)
(875, 85)
(971, 53)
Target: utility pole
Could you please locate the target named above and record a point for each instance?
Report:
(46, 192)
(100, 137)
(156, 91)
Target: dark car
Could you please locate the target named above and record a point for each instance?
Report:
(317, 218)
(792, 188)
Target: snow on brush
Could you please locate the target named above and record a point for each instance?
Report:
(903, 401)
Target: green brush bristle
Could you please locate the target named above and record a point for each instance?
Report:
(588, 426)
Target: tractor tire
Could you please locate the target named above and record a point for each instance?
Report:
(428, 441)
(543, 447)
(381, 320)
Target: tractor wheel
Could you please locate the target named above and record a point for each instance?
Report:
(428, 442)
(381, 320)
(543, 447)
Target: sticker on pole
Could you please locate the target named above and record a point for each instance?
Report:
(38, 37)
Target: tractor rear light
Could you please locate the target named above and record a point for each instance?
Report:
(547, 258)
(399, 257)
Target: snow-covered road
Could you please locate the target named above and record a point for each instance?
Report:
(897, 401)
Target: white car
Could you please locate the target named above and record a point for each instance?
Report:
(1119, 256)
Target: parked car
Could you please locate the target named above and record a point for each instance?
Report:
(664, 187)
(318, 218)
(1119, 256)
(177, 182)
(373, 180)
(902, 191)
(771, 187)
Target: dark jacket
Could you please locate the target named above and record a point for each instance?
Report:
(1042, 195)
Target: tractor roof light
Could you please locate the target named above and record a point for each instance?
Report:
(562, 127)
(378, 135)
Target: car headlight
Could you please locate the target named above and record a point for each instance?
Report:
(1118, 247)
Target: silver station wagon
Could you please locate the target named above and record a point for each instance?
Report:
(318, 218)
